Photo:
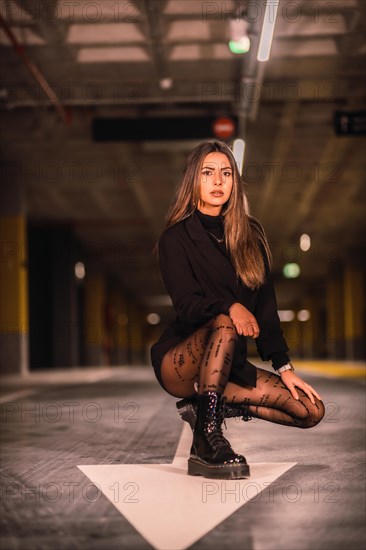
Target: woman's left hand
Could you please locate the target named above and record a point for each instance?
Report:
(292, 381)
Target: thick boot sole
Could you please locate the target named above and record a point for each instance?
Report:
(198, 467)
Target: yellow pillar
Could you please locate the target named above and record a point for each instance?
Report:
(135, 333)
(335, 318)
(313, 330)
(293, 336)
(119, 332)
(122, 331)
(354, 312)
(14, 319)
(308, 331)
(94, 320)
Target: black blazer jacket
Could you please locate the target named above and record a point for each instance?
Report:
(202, 283)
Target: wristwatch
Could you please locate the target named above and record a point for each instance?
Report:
(288, 366)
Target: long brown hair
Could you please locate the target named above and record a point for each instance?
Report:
(244, 235)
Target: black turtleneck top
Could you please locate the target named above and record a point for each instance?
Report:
(214, 226)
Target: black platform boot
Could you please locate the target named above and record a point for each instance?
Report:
(187, 409)
(211, 454)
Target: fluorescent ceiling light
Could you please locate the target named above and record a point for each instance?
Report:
(238, 152)
(269, 22)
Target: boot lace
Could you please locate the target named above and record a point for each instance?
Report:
(238, 410)
(216, 438)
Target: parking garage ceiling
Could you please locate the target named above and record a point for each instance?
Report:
(153, 60)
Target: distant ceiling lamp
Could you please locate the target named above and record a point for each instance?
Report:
(269, 22)
(239, 42)
(291, 270)
(153, 318)
(165, 83)
(79, 270)
(303, 315)
(286, 315)
(305, 242)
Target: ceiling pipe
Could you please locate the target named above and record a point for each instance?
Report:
(65, 114)
(251, 77)
(155, 36)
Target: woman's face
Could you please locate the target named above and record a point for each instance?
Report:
(216, 182)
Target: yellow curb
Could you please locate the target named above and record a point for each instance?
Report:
(341, 369)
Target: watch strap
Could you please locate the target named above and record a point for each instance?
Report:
(288, 366)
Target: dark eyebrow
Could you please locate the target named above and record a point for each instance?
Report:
(213, 168)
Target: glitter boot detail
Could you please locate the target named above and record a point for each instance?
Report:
(187, 409)
(211, 454)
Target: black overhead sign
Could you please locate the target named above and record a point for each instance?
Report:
(350, 123)
(151, 129)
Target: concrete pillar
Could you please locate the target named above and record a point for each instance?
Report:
(335, 316)
(65, 319)
(94, 320)
(54, 298)
(354, 312)
(14, 318)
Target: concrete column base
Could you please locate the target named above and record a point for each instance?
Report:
(355, 348)
(119, 356)
(14, 353)
(94, 356)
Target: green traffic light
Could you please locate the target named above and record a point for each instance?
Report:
(239, 46)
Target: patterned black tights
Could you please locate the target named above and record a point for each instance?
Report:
(206, 357)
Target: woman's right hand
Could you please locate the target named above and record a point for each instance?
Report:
(244, 321)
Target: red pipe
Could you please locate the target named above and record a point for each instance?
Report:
(64, 113)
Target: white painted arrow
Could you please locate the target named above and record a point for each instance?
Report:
(170, 509)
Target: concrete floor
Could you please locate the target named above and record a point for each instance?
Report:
(52, 422)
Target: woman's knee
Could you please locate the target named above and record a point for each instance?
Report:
(225, 326)
(315, 414)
